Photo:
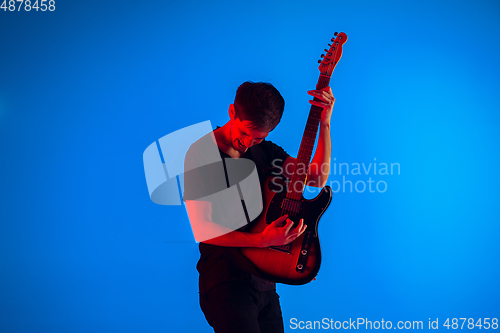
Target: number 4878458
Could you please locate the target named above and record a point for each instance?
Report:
(27, 5)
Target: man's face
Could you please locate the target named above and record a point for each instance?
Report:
(244, 136)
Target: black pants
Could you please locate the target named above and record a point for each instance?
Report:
(237, 307)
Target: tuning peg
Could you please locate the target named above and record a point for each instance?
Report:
(336, 33)
(326, 50)
(322, 56)
(329, 44)
(319, 61)
(332, 39)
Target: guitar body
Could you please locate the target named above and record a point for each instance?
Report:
(298, 262)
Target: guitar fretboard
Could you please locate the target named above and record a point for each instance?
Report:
(297, 183)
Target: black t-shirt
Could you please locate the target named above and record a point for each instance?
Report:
(216, 263)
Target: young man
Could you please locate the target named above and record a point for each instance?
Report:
(232, 299)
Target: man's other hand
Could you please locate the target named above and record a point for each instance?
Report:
(275, 234)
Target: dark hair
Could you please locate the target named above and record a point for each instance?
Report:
(260, 103)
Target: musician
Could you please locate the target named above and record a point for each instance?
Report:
(232, 299)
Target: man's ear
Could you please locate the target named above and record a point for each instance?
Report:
(231, 111)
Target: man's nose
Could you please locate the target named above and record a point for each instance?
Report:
(249, 142)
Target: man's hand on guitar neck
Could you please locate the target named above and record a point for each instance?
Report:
(327, 101)
(275, 234)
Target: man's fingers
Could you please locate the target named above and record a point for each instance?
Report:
(288, 226)
(302, 228)
(281, 219)
(321, 94)
(320, 104)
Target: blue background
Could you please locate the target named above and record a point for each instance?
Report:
(86, 88)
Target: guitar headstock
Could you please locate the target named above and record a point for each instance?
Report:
(333, 55)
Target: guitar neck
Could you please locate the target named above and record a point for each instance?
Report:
(298, 180)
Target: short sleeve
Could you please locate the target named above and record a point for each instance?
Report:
(194, 184)
(276, 154)
(204, 173)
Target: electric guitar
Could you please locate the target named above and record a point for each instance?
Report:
(298, 262)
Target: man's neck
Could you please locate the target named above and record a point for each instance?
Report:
(223, 138)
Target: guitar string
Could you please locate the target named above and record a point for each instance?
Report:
(305, 145)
